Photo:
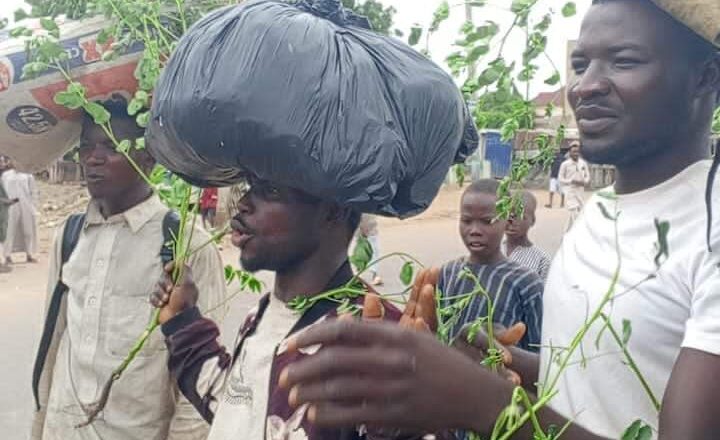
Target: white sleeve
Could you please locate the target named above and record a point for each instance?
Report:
(702, 330)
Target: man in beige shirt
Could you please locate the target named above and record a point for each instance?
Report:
(574, 177)
(110, 275)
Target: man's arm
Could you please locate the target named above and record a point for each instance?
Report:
(692, 398)
(206, 264)
(585, 173)
(196, 359)
(394, 378)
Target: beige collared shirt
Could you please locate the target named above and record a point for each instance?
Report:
(111, 274)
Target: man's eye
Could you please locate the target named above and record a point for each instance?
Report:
(579, 67)
(626, 63)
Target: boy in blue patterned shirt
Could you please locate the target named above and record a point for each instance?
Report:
(515, 290)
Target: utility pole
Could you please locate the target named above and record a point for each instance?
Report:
(472, 68)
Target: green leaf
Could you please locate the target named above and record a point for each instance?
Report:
(32, 69)
(18, 31)
(103, 37)
(49, 25)
(488, 31)
(639, 430)
(477, 52)
(569, 9)
(143, 119)
(663, 248)
(69, 99)
(140, 143)
(553, 80)
(99, 114)
(229, 274)
(124, 146)
(491, 74)
(109, 55)
(521, 6)
(134, 107)
(415, 35)
(362, 254)
(20, 15)
(406, 273)
(626, 331)
(441, 14)
(605, 212)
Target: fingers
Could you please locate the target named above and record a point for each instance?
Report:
(415, 293)
(159, 298)
(427, 308)
(348, 332)
(433, 276)
(477, 348)
(513, 335)
(375, 413)
(346, 389)
(343, 362)
(373, 309)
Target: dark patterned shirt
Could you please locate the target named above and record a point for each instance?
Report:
(533, 258)
(516, 292)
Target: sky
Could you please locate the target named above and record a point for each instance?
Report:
(410, 12)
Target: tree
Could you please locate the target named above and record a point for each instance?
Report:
(716, 122)
(381, 17)
(52, 8)
(493, 109)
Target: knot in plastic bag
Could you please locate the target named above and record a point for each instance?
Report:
(334, 11)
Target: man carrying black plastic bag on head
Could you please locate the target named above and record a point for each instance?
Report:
(319, 119)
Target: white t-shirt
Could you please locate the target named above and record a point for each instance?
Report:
(679, 307)
(243, 408)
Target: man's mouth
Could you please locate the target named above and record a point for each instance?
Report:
(240, 234)
(94, 177)
(595, 120)
(476, 246)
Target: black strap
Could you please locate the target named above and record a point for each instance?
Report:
(71, 236)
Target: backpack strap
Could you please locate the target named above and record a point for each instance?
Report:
(70, 238)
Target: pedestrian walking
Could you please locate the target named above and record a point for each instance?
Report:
(574, 177)
(22, 216)
(5, 203)
(555, 187)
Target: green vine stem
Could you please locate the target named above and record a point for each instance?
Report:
(631, 363)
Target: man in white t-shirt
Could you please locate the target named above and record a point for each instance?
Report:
(648, 81)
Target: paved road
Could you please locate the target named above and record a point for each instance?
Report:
(432, 238)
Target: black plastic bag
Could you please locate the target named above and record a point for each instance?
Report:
(304, 96)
